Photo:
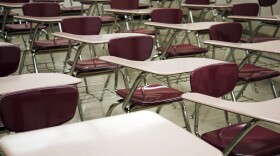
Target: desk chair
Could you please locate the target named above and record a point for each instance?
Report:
(48, 46)
(267, 3)
(148, 96)
(87, 25)
(223, 77)
(38, 108)
(214, 80)
(9, 59)
(9, 27)
(252, 9)
(173, 16)
(203, 11)
(129, 5)
(247, 72)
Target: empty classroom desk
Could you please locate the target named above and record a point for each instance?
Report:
(138, 134)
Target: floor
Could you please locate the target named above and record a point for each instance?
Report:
(210, 118)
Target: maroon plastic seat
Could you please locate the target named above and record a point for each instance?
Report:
(140, 49)
(9, 59)
(59, 43)
(259, 141)
(183, 50)
(93, 66)
(174, 16)
(38, 108)
(259, 38)
(12, 29)
(152, 95)
(249, 72)
(252, 73)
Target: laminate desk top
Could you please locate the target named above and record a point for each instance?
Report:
(11, 5)
(134, 12)
(189, 26)
(138, 134)
(163, 67)
(257, 18)
(43, 19)
(269, 46)
(95, 39)
(266, 110)
(210, 6)
(16, 83)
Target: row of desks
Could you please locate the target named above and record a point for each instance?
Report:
(152, 132)
(93, 137)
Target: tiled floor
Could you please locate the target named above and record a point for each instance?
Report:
(210, 118)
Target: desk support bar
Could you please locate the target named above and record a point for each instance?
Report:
(239, 137)
(136, 83)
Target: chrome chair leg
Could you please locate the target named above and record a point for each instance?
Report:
(22, 61)
(196, 118)
(185, 116)
(193, 114)
(226, 115)
(241, 91)
(113, 106)
(80, 109)
(239, 120)
(34, 62)
(105, 86)
(53, 62)
(86, 85)
(273, 88)
(227, 118)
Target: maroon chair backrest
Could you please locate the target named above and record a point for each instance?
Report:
(38, 108)
(83, 25)
(167, 15)
(214, 80)
(228, 32)
(245, 9)
(137, 48)
(9, 59)
(197, 2)
(266, 3)
(44, 9)
(124, 4)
